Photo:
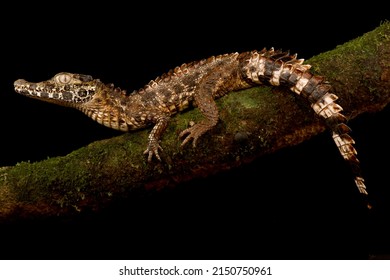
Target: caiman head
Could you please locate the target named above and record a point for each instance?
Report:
(82, 92)
(65, 89)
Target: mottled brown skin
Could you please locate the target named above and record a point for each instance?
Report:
(196, 84)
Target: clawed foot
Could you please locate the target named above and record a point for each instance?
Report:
(153, 149)
(191, 133)
(194, 133)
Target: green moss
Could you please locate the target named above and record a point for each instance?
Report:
(355, 70)
(246, 99)
(351, 56)
(78, 176)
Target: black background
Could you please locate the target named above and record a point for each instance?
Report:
(299, 203)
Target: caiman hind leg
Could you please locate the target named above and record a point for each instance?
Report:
(204, 100)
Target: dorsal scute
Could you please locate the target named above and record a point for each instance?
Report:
(186, 68)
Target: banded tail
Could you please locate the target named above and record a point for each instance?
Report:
(281, 68)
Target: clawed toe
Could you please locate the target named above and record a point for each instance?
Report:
(188, 137)
(150, 151)
(193, 134)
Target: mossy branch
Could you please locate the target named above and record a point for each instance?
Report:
(94, 176)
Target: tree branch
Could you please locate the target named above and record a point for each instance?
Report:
(94, 176)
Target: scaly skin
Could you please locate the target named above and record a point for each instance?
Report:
(196, 84)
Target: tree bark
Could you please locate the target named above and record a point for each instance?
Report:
(96, 175)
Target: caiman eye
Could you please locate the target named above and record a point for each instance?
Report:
(63, 78)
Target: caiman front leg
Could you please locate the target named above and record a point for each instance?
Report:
(154, 138)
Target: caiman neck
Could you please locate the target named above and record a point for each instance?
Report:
(107, 107)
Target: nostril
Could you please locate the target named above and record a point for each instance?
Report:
(19, 83)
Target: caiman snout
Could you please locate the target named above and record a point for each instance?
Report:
(19, 83)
